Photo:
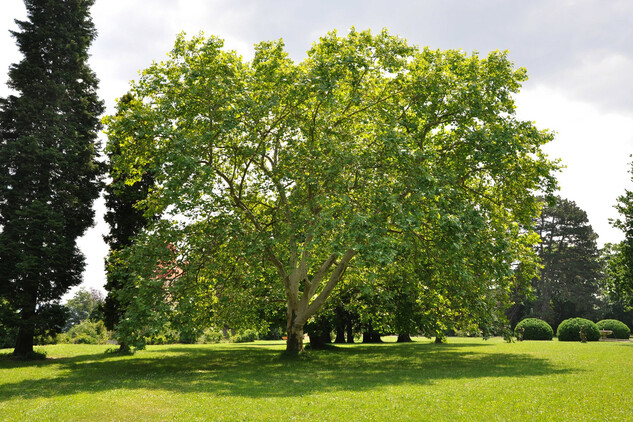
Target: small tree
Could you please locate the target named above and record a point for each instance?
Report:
(83, 306)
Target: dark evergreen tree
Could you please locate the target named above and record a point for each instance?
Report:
(49, 173)
(570, 280)
(125, 220)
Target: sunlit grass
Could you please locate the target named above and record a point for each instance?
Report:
(467, 379)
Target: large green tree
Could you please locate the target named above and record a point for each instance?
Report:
(307, 167)
(49, 175)
(569, 285)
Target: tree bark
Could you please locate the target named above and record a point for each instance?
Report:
(26, 332)
(350, 329)
(294, 343)
(340, 325)
(404, 338)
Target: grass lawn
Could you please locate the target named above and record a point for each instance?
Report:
(466, 379)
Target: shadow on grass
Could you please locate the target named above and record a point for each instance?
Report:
(260, 372)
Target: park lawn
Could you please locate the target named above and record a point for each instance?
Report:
(466, 379)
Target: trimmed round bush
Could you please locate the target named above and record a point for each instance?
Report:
(534, 329)
(620, 329)
(569, 330)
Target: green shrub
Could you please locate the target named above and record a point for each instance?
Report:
(272, 333)
(162, 338)
(87, 332)
(166, 335)
(620, 329)
(244, 337)
(569, 330)
(210, 336)
(534, 329)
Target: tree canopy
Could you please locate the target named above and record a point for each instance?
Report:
(299, 172)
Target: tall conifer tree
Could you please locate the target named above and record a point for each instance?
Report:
(49, 173)
(570, 280)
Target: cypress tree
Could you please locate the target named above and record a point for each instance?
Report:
(49, 173)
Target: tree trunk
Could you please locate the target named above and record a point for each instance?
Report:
(340, 334)
(375, 337)
(300, 309)
(371, 336)
(404, 338)
(26, 332)
(294, 343)
(350, 330)
(340, 325)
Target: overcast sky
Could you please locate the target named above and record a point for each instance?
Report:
(578, 54)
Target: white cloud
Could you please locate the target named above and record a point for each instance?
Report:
(594, 145)
(599, 76)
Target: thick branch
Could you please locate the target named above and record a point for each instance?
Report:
(312, 286)
(335, 277)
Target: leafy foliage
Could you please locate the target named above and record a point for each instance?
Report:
(569, 330)
(49, 174)
(210, 336)
(272, 177)
(84, 305)
(86, 332)
(534, 329)
(245, 336)
(620, 329)
(8, 324)
(614, 284)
